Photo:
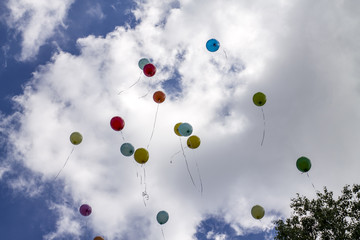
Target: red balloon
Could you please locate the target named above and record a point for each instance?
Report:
(149, 70)
(85, 210)
(159, 97)
(117, 123)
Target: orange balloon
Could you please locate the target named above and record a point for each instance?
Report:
(98, 238)
(159, 97)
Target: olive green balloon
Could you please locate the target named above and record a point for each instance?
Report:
(259, 99)
(257, 212)
(76, 138)
(303, 164)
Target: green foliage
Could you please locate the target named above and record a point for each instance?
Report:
(323, 217)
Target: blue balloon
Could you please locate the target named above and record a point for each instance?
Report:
(212, 45)
(143, 62)
(162, 217)
(185, 129)
(127, 149)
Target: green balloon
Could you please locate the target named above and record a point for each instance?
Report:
(76, 138)
(303, 164)
(143, 62)
(259, 99)
(162, 217)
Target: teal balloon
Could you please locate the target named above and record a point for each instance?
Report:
(303, 164)
(212, 45)
(185, 129)
(162, 217)
(127, 149)
(143, 62)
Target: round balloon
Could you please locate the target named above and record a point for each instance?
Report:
(117, 123)
(212, 45)
(185, 129)
(127, 149)
(141, 155)
(149, 70)
(98, 238)
(259, 99)
(162, 217)
(193, 142)
(76, 138)
(143, 62)
(85, 210)
(257, 212)
(303, 164)
(176, 128)
(159, 97)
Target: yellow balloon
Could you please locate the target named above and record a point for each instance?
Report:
(193, 142)
(76, 138)
(259, 99)
(257, 212)
(141, 155)
(176, 130)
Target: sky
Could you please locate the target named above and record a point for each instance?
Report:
(70, 66)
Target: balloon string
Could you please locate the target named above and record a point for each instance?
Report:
(162, 231)
(263, 137)
(187, 165)
(64, 163)
(146, 93)
(152, 133)
(144, 193)
(131, 85)
(198, 171)
(122, 135)
(311, 182)
(225, 54)
(171, 161)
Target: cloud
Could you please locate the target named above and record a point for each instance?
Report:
(36, 21)
(304, 64)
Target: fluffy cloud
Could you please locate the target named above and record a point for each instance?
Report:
(302, 55)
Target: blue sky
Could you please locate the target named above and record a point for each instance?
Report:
(63, 65)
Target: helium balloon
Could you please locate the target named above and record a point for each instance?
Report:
(159, 97)
(259, 99)
(127, 149)
(117, 123)
(303, 164)
(85, 210)
(257, 212)
(149, 70)
(76, 138)
(141, 155)
(193, 142)
(143, 62)
(176, 128)
(185, 129)
(162, 217)
(212, 45)
(98, 238)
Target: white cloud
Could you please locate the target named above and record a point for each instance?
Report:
(306, 65)
(36, 21)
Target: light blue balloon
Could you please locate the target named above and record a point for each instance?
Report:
(185, 129)
(143, 62)
(162, 217)
(127, 149)
(212, 45)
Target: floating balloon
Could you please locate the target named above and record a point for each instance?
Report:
(127, 149)
(257, 212)
(162, 217)
(212, 45)
(159, 97)
(176, 128)
(193, 142)
(85, 210)
(303, 164)
(259, 99)
(98, 238)
(141, 155)
(117, 123)
(143, 62)
(76, 138)
(185, 129)
(149, 70)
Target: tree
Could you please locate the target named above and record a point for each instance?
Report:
(323, 217)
